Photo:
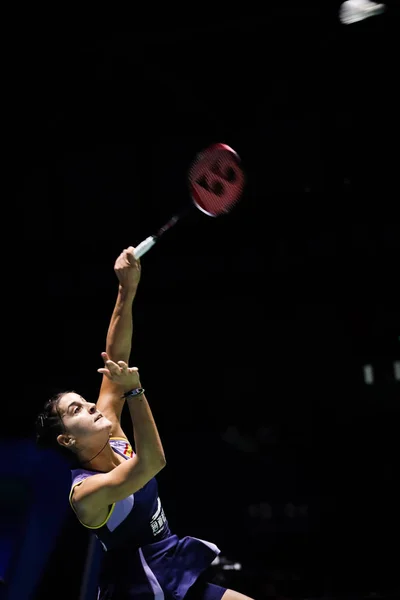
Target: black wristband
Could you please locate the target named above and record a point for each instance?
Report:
(133, 393)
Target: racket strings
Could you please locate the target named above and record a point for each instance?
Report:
(217, 182)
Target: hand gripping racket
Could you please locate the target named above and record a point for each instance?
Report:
(216, 182)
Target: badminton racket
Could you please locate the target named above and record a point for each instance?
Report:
(216, 181)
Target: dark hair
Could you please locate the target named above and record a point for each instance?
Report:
(49, 426)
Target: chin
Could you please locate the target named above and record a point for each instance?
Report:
(107, 422)
(104, 423)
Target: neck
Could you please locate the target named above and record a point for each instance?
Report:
(104, 459)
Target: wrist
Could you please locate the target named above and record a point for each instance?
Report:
(133, 393)
(127, 292)
(132, 386)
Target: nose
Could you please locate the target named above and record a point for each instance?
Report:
(92, 409)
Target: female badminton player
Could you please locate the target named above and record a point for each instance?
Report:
(114, 492)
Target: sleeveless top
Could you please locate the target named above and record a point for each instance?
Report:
(142, 560)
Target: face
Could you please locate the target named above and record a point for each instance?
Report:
(83, 423)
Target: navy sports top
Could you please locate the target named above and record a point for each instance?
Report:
(142, 560)
(138, 517)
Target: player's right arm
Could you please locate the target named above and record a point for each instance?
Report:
(97, 492)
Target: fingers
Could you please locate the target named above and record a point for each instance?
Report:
(130, 256)
(110, 365)
(125, 368)
(105, 372)
(114, 370)
(111, 372)
(127, 258)
(113, 367)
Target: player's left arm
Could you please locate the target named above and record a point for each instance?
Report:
(119, 336)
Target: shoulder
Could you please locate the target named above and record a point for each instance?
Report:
(86, 497)
(78, 477)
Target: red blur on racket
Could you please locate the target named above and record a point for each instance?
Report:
(216, 182)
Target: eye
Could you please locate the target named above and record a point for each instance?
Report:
(75, 409)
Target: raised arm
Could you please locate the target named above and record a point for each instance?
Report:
(119, 334)
(100, 491)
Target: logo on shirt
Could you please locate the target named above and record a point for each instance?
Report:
(128, 450)
(158, 520)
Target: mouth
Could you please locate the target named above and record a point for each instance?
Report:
(97, 418)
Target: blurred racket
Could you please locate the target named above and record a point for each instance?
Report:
(216, 182)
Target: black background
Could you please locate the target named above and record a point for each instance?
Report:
(264, 317)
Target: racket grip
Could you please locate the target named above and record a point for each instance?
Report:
(144, 246)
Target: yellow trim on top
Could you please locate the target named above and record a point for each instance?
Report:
(73, 508)
(119, 438)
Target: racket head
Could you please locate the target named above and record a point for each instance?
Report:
(216, 179)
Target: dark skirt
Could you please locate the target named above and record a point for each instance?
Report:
(164, 570)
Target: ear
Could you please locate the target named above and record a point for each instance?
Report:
(65, 440)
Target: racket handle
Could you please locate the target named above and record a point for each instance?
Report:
(144, 246)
